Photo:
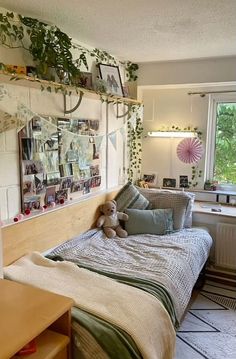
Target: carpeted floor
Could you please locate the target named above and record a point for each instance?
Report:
(209, 328)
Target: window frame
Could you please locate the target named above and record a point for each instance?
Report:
(214, 100)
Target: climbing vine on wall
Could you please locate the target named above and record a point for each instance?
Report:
(134, 144)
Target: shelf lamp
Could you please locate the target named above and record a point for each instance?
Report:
(176, 134)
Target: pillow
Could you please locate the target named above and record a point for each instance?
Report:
(189, 211)
(149, 221)
(129, 197)
(178, 201)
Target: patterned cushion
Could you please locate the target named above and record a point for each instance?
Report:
(149, 221)
(178, 201)
(129, 197)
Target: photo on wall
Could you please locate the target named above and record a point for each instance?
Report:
(27, 148)
(150, 178)
(28, 185)
(32, 167)
(62, 194)
(40, 183)
(183, 181)
(50, 195)
(44, 165)
(31, 203)
(169, 182)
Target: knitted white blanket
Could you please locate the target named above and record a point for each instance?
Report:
(136, 312)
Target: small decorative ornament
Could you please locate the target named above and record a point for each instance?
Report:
(20, 216)
(53, 204)
(190, 150)
(45, 206)
(16, 219)
(62, 201)
(27, 212)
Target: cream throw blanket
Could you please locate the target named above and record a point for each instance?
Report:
(138, 313)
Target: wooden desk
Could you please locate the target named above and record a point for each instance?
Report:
(27, 313)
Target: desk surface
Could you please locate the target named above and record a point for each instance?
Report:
(26, 312)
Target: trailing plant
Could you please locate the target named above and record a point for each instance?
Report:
(196, 175)
(51, 48)
(135, 146)
(178, 128)
(104, 57)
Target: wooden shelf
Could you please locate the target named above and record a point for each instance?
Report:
(50, 345)
(26, 313)
(34, 82)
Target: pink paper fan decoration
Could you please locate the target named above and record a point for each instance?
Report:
(190, 150)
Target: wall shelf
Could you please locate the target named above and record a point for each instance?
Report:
(34, 82)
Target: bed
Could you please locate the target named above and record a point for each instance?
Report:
(129, 293)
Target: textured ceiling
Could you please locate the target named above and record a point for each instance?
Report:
(142, 30)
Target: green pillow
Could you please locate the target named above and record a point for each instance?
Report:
(130, 197)
(149, 221)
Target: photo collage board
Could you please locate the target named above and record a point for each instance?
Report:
(57, 165)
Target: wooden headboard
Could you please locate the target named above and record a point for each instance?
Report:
(52, 228)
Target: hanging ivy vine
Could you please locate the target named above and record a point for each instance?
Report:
(134, 144)
(51, 48)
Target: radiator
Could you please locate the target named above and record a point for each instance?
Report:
(225, 247)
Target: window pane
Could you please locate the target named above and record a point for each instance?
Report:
(225, 152)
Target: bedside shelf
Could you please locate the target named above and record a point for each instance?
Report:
(50, 345)
(34, 82)
(27, 313)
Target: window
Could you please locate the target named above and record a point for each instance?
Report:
(221, 141)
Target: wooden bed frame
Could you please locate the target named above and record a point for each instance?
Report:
(50, 229)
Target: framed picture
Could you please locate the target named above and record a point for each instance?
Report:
(169, 182)
(150, 178)
(111, 75)
(85, 80)
(183, 182)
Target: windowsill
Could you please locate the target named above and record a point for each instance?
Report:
(206, 208)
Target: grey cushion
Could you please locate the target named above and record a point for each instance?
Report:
(178, 201)
(150, 221)
(130, 197)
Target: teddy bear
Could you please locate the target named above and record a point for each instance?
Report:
(109, 221)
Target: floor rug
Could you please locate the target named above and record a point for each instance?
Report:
(209, 328)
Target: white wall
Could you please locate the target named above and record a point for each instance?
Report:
(186, 72)
(163, 87)
(51, 104)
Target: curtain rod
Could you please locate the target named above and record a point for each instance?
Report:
(204, 93)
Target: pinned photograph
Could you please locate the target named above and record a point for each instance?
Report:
(94, 170)
(32, 167)
(65, 170)
(28, 185)
(53, 178)
(169, 182)
(95, 181)
(77, 186)
(61, 194)
(50, 195)
(52, 161)
(66, 182)
(40, 183)
(52, 142)
(27, 148)
(95, 152)
(87, 186)
(32, 203)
